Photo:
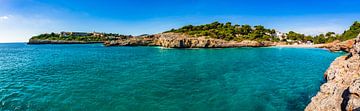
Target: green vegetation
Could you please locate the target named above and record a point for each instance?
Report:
(54, 36)
(352, 32)
(318, 39)
(236, 32)
(228, 31)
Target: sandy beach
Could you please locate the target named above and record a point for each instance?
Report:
(302, 46)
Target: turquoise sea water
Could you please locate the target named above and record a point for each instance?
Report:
(93, 77)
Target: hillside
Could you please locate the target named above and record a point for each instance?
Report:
(216, 30)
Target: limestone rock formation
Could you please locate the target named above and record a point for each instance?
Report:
(177, 40)
(339, 46)
(342, 89)
(133, 41)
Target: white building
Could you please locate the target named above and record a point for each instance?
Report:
(280, 35)
(64, 34)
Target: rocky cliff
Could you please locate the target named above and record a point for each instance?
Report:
(342, 88)
(339, 46)
(177, 40)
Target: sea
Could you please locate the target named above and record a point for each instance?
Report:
(92, 77)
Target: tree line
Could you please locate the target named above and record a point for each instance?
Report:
(89, 37)
(236, 32)
(228, 31)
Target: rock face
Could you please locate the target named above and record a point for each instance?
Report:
(342, 90)
(340, 46)
(133, 41)
(176, 40)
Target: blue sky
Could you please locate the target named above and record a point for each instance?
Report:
(21, 19)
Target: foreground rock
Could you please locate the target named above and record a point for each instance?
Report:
(35, 41)
(176, 40)
(342, 90)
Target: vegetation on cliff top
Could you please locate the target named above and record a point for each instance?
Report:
(89, 37)
(54, 36)
(228, 31)
(236, 32)
(352, 32)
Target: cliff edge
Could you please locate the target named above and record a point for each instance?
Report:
(178, 40)
(341, 92)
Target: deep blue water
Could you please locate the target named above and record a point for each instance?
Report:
(93, 77)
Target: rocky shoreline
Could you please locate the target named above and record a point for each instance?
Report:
(341, 92)
(339, 46)
(177, 40)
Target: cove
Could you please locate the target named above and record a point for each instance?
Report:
(93, 77)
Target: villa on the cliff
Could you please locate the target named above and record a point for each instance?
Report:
(65, 34)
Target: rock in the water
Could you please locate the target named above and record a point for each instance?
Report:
(342, 89)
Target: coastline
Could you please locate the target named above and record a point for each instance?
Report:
(62, 42)
(301, 46)
(181, 40)
(341, 91)
(229, 45)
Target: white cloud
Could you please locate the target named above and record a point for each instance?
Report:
(3, 18)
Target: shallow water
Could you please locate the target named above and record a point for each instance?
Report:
(93, 77)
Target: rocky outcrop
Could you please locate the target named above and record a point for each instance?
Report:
(339, 46)
(36, 41)
(342, 88)
(132, 41)
(177, 40)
